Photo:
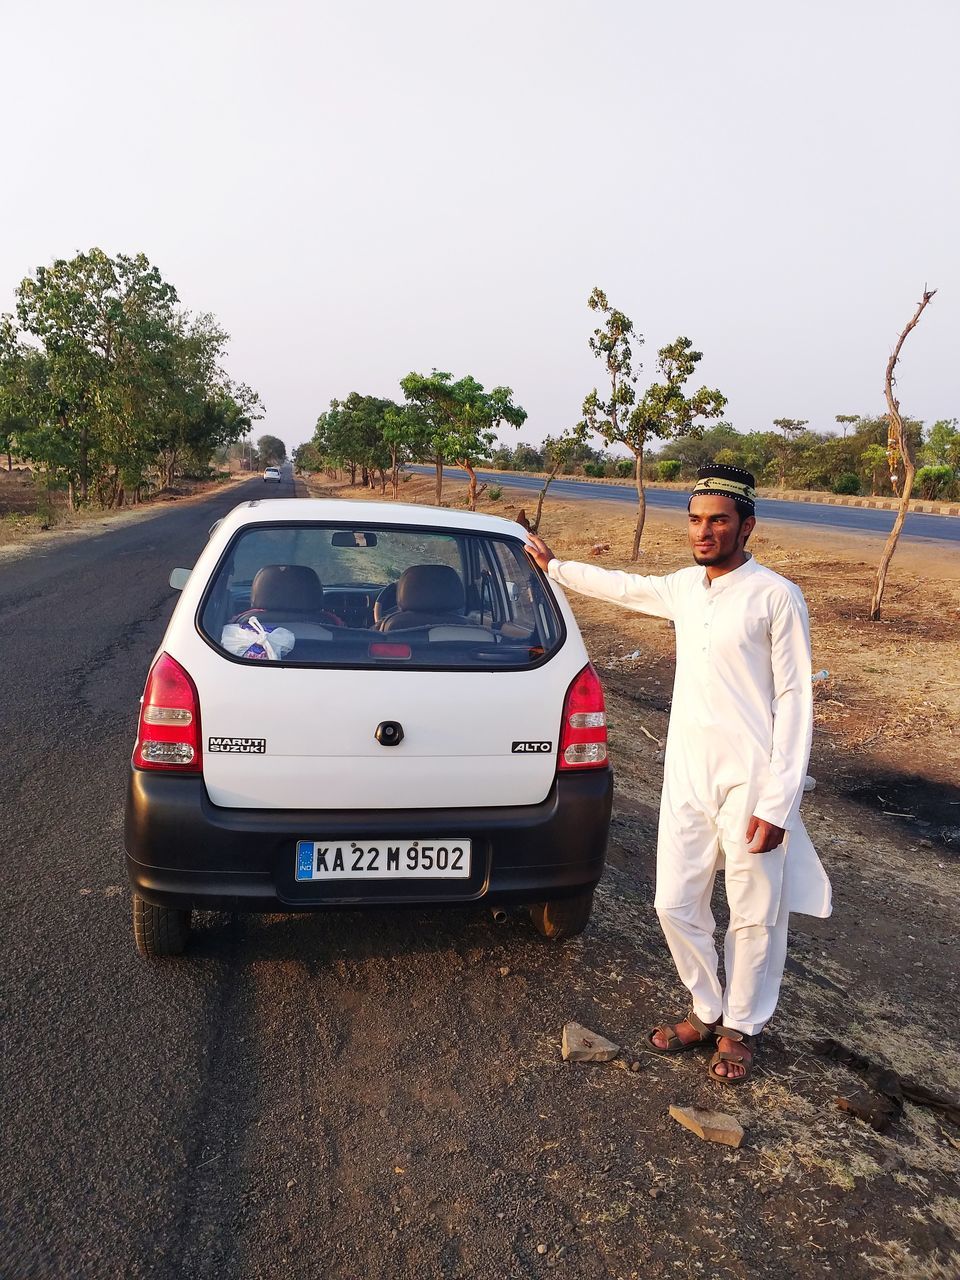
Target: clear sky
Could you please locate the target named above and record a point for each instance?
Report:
(361, 188)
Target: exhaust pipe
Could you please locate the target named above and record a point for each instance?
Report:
(499, 914)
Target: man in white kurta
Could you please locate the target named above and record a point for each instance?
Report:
(736, 757)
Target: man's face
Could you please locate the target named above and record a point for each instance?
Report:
(716, 534)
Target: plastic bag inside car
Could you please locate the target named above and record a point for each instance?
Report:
(250, 639)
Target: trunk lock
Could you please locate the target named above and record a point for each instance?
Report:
(389, 733)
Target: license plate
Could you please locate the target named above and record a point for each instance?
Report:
(440, 859)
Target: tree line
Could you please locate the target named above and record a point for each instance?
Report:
(667, 428)
(854, 463)
(455, 422)
(440, 420)
(108, 386)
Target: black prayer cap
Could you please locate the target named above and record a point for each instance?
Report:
(728, 482)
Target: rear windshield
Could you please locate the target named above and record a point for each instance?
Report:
(343, 596)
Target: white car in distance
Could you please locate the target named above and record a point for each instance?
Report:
(271, 473)
(363, 704)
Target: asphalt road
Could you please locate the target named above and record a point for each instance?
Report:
(819, 514)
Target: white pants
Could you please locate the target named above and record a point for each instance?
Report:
(754, 956)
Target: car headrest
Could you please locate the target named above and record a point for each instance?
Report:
(430, 588)
(286, 586)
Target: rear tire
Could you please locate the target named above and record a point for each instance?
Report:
(564, 918)
(159, 931)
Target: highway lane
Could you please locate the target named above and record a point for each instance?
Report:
(821, 515)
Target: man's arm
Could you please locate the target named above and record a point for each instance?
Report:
(780, 794)
(644, 593)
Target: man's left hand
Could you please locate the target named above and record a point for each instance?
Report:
(763, 836)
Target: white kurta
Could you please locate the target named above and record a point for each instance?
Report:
(738, 744)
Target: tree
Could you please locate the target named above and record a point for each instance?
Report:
(874, 458)
(557, 451)
(785, 446)
(271, 451)
(899, 453)
(114, 377)
(306, 457)
(664, 411)
(13, 380)
(695, 451)
(405, 433)
(459, 420)
(198, 409)
(845, 420)
(942, 445)
(104, 324)
(435, 400)
(489, 413)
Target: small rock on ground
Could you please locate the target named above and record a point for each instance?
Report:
(582, 1045)
(712, 1126)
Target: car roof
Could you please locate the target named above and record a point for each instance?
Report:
(347, 511)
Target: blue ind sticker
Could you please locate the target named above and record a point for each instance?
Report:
(304, 859)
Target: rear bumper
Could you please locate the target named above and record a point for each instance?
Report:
(184, 851)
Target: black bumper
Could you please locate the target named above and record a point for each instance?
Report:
(184, 851)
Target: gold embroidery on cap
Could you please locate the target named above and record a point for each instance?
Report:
(715, 484)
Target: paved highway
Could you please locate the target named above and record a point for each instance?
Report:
(820, 514)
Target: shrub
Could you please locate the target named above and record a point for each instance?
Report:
(623, 469)
(933, 482)
(595, 469)
(669, 469)
(495, 494)
(847, 483)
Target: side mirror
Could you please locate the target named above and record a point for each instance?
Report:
(178, 578)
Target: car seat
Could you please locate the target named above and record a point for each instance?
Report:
(427, 595)
(289, 593)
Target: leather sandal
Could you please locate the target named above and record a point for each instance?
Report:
(748, 1042)
(674, 1043)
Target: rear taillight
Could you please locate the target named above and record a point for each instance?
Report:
(168, 736)
(583, 734)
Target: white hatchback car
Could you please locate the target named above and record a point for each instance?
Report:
(272, 473)
(366, 704)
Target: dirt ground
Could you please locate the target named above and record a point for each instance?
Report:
(812, 1191)
(28, 514)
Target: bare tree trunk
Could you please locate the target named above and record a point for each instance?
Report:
(641, 508)
(84, 463)
(898, 447)
(438, 464)
(535, 527)
(472, 490)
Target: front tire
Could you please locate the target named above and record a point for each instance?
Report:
(563, 918)
(159, 931)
